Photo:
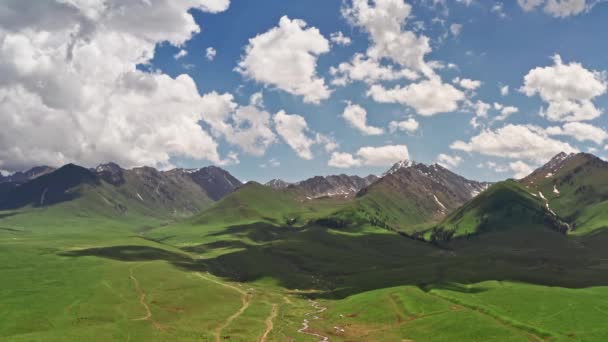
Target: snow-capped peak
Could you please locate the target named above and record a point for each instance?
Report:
(404, 164)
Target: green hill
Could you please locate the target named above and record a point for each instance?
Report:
(576, 187)
(504, 205)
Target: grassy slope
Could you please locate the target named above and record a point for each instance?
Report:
(583, 192)
(382, 206)
(503, 205)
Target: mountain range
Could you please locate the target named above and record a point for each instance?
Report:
(568, 193)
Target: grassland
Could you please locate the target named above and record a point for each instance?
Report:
(240, 272)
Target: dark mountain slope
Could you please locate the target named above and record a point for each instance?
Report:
(331, 186)
(216, 182)
(52, 188)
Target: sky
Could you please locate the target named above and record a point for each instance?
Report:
(291, 89)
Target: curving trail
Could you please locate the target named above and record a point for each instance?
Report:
(142, 301)
(245, 301)
(306, 323)
(269, 322)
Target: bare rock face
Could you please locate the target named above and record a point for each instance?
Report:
(431, 190)
(216, 181)
(111, 173)
(277, 184)
(332, 186)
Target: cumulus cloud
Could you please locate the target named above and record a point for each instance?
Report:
(395, 53)
(71, 91)
(558, 8)
(410, 125)
(295, 132)
(248, 127)
(368, 70)
(456, 29)
(520, 169)
(516, 142)
(504, 90)
(180, 54)
(505, 111)
(340, 39)
(481, 108)
(449, 161)
(210, 53)
(382, 156)
(384, 21)
(428, 97)
(356, 117)
(466, 83)
(285, 57)
(568, 89)
(580, 131)
(343, 160)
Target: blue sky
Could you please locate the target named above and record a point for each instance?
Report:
(491, 48)
(475, 48)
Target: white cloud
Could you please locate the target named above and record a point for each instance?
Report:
(368, 70)
(182, 53)
(328, 142)
(343, 160)
(568, 89)
(481, 108)
(456, 29)
(580, 131)
(384, 21)
(516, 142)
(251, 130)
(71, 91)
(257, 99)
(295, 132)
(428, 97)
(504, 90)
(396, 53)
(340, 39)
(520, 169)
(382, 156)
(356, 116)
(466, 83)
(248, 127)
(505, 112)
(494, 166)
(410, 125)
(448, 161)
(210, 53)
(285, 57)
(559, 8)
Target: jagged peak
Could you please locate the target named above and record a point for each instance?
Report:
(403, 164)
(108, 167)
(277, 183)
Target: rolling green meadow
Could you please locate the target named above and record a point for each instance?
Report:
(256, 267)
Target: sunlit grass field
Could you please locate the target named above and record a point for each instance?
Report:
(140, 279)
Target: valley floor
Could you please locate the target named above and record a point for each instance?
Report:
(110, 281)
